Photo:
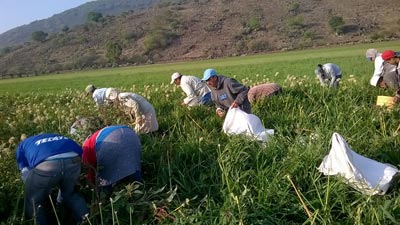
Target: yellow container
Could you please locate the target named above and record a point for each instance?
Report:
(386, 101)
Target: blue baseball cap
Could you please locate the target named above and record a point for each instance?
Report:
(208, 73)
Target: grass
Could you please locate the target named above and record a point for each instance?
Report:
(195, 174)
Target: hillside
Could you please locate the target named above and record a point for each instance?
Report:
(71, 18)
(192, 29)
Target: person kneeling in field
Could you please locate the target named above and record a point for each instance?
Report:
(262, 91)
(383, 73)
(226, 92)
(197, 92)
(393, 58)
(136, 106)
(49, 161)
(329, 73)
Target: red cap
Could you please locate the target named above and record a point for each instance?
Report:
(388, 54)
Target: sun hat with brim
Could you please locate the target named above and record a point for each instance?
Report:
(175, 76)
(208, 73)
(388, 54)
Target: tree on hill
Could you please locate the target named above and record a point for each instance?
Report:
(39, 36)
(337, 24)
(95, 17)
(114, 51)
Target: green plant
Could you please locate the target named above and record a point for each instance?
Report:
(337, 24)
(113, 51)
(39, 36)
(94, 17)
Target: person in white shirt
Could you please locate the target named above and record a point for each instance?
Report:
(98, 95)
(136, 106)
(197, 92)
(329, 73)
(383, 72)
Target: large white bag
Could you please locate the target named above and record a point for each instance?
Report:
(240, 122)
(364, 174)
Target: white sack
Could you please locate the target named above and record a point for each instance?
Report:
(240, 122)
(364, 174)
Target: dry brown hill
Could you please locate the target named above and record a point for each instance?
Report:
(192, 29)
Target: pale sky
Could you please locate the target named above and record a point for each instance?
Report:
(14, 13)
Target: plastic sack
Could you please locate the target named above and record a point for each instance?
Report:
(365, 175)
(240, 122)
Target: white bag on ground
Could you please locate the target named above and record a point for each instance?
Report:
(364, 174)
(240, 122)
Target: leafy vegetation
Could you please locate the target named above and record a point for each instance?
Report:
(337, 24)
(95, 17)
(39, 36)
(195, 174)
(114, 51)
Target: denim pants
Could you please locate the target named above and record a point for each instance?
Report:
(58, 173)
(206, 99)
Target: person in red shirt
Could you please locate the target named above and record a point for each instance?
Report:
(112, 153)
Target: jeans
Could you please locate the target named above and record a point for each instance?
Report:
(58, 173)
(206, 99)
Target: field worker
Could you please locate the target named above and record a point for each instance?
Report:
(196, 91)
(46, 162)
(136, 106)
(112, 153)
(262, 91)
(226, 92)
(98, 95)
(383, 71)
(392, 58)
(328, 73)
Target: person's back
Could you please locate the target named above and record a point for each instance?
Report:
(49, 161)
(142, 110)
(262, 91)
(116, 153)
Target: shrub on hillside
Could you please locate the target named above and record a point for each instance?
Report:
(95, 17)
(114, 51)
(39, 36)
(337, 24)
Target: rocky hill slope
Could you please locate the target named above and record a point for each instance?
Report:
(71, 18)
(191, 29)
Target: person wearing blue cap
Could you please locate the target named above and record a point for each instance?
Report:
(226, 92)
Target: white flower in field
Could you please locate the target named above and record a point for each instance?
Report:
(23, 137)
(314, 136)
(11, 140)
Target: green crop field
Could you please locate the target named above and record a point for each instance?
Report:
(193, 172)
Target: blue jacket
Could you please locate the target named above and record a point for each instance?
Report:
(36, 149)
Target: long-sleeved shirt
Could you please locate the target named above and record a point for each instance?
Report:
(99, 96)
(229, 90)
(194, 89)
(331, 73)
(37, 149)
(142, 110)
